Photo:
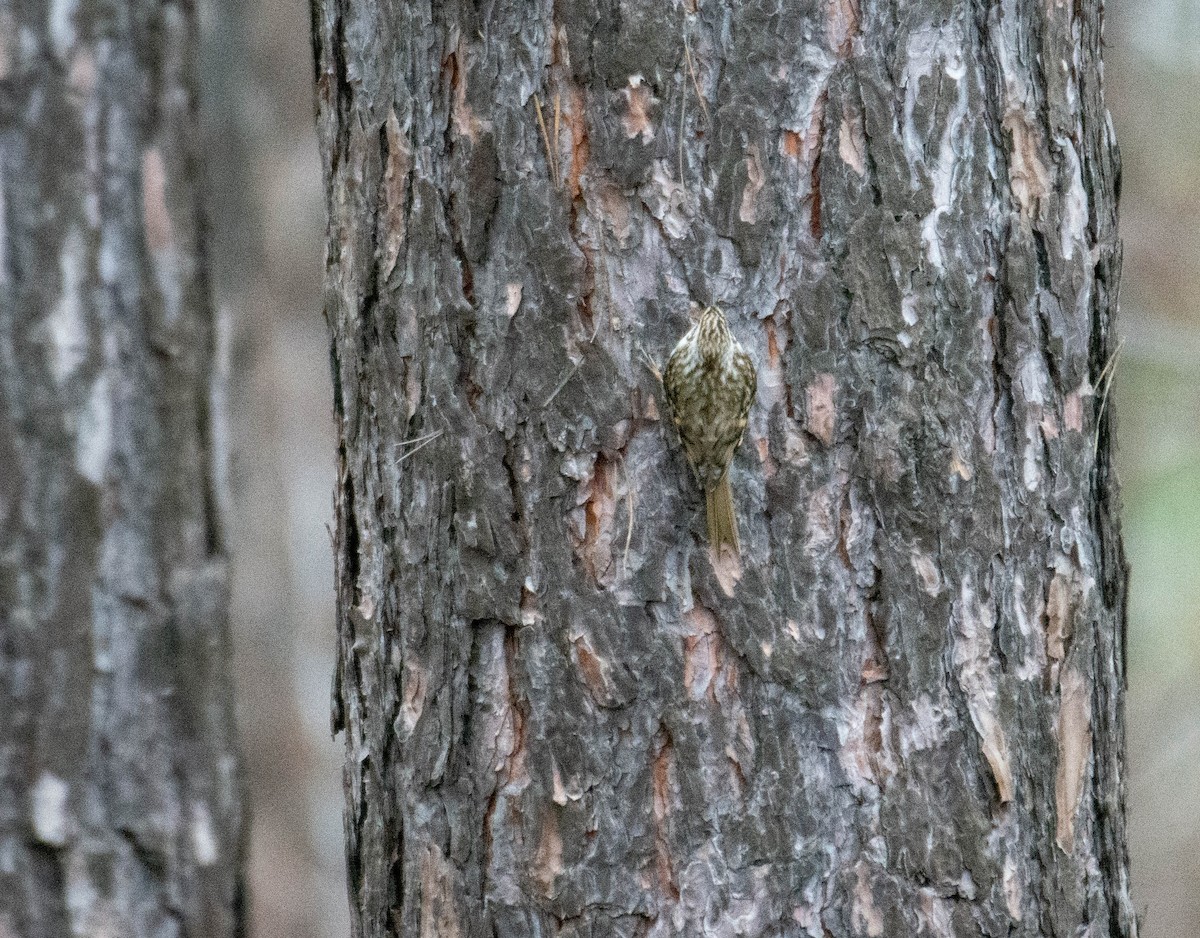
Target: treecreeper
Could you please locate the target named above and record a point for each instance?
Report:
(711, 383)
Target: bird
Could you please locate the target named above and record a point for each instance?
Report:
(711, 383)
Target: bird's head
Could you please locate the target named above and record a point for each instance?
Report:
(714, 333)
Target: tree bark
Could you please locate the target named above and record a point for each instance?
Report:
(120, 785)
(901, 714)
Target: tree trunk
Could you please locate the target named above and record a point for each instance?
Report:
(120, 788)
(901, 714)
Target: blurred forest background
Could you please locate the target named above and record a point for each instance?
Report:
(267, 222)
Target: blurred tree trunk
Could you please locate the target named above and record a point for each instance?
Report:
(120, 788)
(902, 714)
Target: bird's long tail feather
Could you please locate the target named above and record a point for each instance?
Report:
(722, 524)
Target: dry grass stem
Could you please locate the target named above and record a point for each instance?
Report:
(551, 153)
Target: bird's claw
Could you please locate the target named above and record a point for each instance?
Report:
(649, 362)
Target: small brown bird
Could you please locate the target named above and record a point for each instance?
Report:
(711, 383)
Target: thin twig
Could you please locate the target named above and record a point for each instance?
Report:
(1107, 373)
(551, 158)
(682, 115)
(687, 53)
(629, 511)
(419, 439)
(562, 384)
(557, 116)
(1111, 364)
(600, 276)
(418, 443)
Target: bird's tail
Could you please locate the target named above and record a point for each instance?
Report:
(722, 523)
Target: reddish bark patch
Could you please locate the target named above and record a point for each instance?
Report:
(599, 512)
(638, 104)
(394, 194)
(548, 862)
(822, 409)
(661, 770)
(576, 117)
(594, 671)
(1074, 750)
(841, 26)
(701, 653)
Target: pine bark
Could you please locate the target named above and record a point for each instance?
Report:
(901, 714)
(120, 784)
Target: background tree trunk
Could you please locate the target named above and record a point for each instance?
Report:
(902, 714)
(120, 789)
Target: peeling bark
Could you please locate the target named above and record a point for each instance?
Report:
(901, 714)
(120, 788)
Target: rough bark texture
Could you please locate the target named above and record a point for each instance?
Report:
(120, 791)
(902, 714)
